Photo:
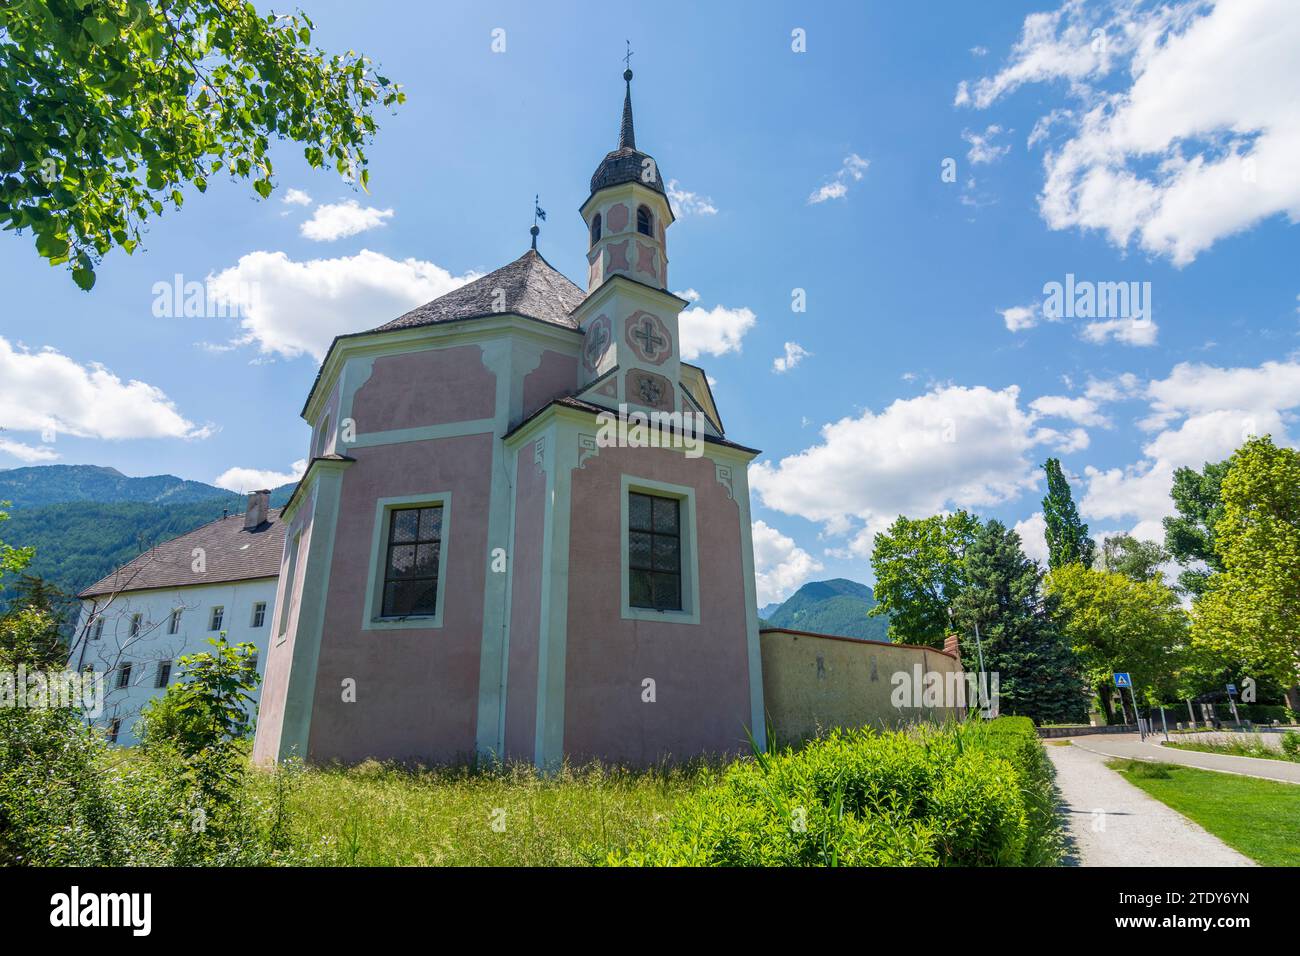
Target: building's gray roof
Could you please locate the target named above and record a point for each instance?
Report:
(230, 554)
(529, 286)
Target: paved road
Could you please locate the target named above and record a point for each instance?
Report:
(1113, 823)
(1132, 747)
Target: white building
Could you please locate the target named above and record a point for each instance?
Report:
(137, 622)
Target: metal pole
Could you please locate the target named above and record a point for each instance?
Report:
(1164, 724)
(1191, 714)
(1136, 715)
(979, 649)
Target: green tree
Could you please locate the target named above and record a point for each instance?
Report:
(919, 570)
(12, 560)
(1137, 560)
(1067, 535)
(1251, 610)
(110, 109)
(1118, 623)
(1189, 535)
(1038, 676)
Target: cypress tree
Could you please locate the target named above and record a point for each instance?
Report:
(1067, 535)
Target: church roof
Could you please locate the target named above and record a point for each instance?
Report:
(529, 286)
(231, 552)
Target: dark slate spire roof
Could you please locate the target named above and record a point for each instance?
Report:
(626, 135)
(531, 287)
(625, 164)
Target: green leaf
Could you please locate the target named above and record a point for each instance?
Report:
(85, 278)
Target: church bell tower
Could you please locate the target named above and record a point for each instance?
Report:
(631, 353)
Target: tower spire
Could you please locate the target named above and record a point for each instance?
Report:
(626, 135)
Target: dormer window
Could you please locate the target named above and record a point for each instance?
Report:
(644, 221)
(595, 229)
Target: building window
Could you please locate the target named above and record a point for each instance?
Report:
(411, 562)
(113, 729)
(164, 675)
(136, 620)
(124, 676)
(595, 229)
(97, 629)
(259, 614)
(174, 622)
(291, 570)
(250, 665)
(644, 221)
(654, 552)
(218, 616)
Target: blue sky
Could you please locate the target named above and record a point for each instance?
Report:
(926, 376)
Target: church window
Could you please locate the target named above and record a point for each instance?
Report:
(654, 552)
(595, 229)
(644, 221)
(412, 562)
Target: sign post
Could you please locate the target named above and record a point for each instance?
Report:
(1123, 680)
(1232, 702)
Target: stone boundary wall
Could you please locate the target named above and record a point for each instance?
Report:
(815, 682)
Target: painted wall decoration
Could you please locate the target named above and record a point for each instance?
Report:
(648, 338)
(617, 217)
(651, 390)
(597, 342)
(616, 257)
(647, 260)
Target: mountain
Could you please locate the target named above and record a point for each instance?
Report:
(51, 484)
(86, 520)
(838, 607)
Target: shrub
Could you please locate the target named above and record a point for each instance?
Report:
(1291, 744)
(970, 794)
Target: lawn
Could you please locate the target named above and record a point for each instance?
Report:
(1240, 745)
(1260, 818)
(377, 815)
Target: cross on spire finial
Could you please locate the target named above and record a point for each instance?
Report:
(626, 136)
(627, 59)
(538, 213)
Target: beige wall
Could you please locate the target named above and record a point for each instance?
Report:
(815, 682)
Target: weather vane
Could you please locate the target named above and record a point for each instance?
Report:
(538, 213)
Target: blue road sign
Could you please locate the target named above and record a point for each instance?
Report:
(1232, 688)
(1122, 680)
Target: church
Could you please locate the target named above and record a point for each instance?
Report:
(523, 532)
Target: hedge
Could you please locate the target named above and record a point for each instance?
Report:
(969, 794)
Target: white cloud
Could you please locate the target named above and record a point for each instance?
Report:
(979, 51)
(296, 197)
(1033, 537)
(780, 566)
(347, 218)
(851, 170)
(687, 203)
(47, 393)
(1129, 331)
(1081, 411)
(982, 148)
(1021, 317)
(1123, 386)
(794, 354)
(28, 453)
(713, 331)
(1198, 413)
(254, 479)
(952, 447)
(690, 295)
(1197, 144)
(294, 308)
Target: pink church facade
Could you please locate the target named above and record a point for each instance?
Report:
(523, 532)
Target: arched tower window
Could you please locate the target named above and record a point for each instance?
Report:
(644, 221)
(595, 229)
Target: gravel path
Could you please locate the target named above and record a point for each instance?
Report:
(1131, 746)
(1113, 823)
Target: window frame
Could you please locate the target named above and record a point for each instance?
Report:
(650, 221)
(216, 617)
(163, 676)
(372, 616)
(137, 622)
(688, 551)
(114, 729)
(597, 229)
(123, 681)
(254, 621)
(174, 622)
(97, 628)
